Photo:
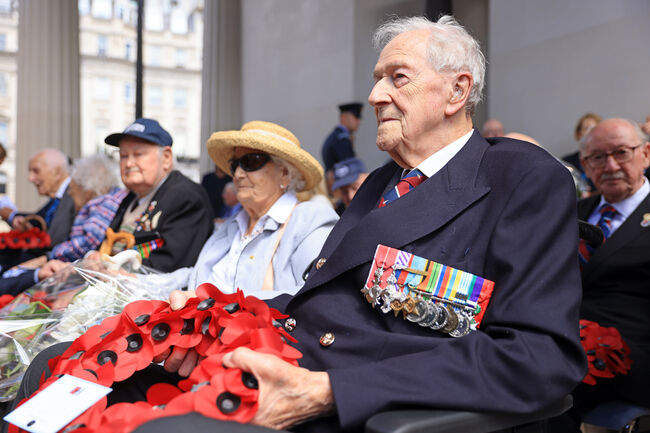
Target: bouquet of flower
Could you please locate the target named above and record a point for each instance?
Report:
(63, 307)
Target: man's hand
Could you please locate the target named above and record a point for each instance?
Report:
(50, 268)
(289, 395)
(5, 212)
(20, 223)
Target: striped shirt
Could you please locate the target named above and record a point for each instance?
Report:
(89, 227)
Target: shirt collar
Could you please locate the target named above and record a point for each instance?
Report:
(147, 198)
(62, 188)
(627, 206)
(279, 212)
(435, 162)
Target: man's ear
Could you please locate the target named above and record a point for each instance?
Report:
(168, 158)
(461, 87)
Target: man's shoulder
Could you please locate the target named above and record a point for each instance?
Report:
(178, 183)
(512, 156)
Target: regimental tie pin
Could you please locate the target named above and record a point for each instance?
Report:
(646, 220)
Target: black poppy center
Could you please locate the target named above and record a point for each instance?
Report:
(106, 356)
(188, 327)
(228, 402)
(231, 308)
(205, 304)
(133, 342)
(142, 319)
(160, 331)
(249, 380)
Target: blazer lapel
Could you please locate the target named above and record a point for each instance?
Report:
(405, 220)
(628, 231)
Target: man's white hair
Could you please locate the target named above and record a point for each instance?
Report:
(451, 48)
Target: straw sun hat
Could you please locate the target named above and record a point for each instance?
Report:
(269, 138)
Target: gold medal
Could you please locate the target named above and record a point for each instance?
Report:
(396, 306)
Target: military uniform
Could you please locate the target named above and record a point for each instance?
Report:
(337, 147)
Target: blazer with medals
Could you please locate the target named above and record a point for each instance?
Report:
(616, 292)
(179, 217)
(503, 210)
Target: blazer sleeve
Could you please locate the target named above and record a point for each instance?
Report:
(18, 284)
(185, 228)
(527, 353)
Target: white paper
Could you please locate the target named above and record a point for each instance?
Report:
(53, 408)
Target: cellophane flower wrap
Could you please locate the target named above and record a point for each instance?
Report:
(63, 307)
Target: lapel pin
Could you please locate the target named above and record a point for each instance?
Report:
(646, 220)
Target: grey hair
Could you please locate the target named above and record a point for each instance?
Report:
(643, 137)
(296, 180)
(94, 173)
(451, 48)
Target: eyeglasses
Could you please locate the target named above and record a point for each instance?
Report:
(249, 162)
(599, 160)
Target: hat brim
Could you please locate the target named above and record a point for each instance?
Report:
(114, 139)
(221, 146)
(345, 181)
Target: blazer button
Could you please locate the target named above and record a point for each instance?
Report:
(290, 324)
(320, 263)
(327, 339)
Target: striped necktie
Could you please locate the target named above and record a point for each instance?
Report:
(607, 213)
(407, 183)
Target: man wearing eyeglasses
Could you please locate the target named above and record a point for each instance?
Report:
(616, 276)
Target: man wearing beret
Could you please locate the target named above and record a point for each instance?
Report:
(496, 209)
(338, 145)
(169, 215)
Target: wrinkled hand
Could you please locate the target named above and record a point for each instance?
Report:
(5, 212)
(20, 223)
(179, 360)
(50, 268)
(289, 395)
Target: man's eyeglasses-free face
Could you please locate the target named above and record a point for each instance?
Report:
(249, 162)
(621, 155)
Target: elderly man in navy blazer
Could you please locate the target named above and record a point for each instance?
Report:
(500, 209)
(615, 276)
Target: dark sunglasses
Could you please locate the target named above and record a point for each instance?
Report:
(249, 162)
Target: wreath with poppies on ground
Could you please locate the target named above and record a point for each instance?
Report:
(213, 323)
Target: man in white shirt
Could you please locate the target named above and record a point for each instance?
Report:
(49, 172)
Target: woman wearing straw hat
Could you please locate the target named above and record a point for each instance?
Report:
(266, 247)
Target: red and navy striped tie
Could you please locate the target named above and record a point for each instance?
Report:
(607, 213)
(407, 183)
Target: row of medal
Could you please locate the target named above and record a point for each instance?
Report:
(419, 307)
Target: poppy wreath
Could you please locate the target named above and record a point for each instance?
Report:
(213, 323)
(607, 354)
(17, 240)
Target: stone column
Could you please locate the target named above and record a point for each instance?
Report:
(221, 106)
(48, 86)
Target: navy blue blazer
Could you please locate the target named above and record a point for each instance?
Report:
(502, 209)
(615, 284)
